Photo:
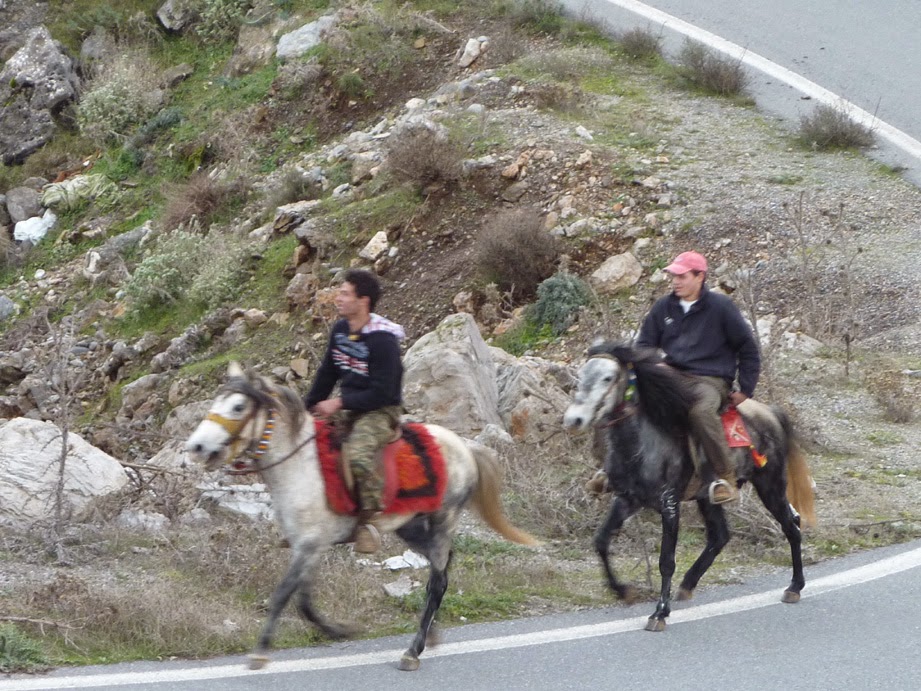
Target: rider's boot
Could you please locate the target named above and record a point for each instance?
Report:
(367, 536)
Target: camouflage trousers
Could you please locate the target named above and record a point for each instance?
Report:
(369, 433)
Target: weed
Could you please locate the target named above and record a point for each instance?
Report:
(19, 653)
(538, 16)
(830, 127)
(710, 71)
(785, 179)
(565, 64)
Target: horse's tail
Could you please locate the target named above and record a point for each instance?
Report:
(799, 480)
(487, 498)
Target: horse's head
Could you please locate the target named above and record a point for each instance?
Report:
(603, 383)
(234, 420)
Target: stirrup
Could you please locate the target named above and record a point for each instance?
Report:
(711, 491)
(367, 539)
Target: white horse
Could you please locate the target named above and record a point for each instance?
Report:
(269, 426)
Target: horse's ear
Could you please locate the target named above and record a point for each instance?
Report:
(234, 369)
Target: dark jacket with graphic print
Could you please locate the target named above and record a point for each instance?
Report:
(367, 366)
(712, 339)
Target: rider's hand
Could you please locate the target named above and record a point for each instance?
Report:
(328, 407)
(737, 397)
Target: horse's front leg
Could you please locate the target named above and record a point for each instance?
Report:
(717, 538)
(670, 520)
(621, 509)
(300, 559)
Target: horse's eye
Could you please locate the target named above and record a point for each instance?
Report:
(239, 407)
(608, 379)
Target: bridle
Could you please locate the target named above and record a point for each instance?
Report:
(247, 461)
(627, 406)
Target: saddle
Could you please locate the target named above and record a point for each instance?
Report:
(737, 435)
(412, 467)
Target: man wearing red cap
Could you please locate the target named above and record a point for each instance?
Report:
(704, 334)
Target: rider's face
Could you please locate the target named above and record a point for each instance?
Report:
(687, 286)
(348, 303)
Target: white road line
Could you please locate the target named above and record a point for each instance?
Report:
(820, 586)
(894, 136)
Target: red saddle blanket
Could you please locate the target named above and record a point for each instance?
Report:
(415, 477)
(737, 434)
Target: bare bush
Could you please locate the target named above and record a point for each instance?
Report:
(515, 252)
(425, 156)
(202, 197)
(710, 71)
(640, 44)
(562, 98)
(830, 127)
(895, 398)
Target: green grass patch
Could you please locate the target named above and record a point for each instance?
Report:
(19, 652)
(524, 337)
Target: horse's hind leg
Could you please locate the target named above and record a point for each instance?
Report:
(717, 538)
(773, 493)
(621, 509)
(432, 538)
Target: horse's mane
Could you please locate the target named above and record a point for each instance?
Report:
(665, 394)
(270, 395)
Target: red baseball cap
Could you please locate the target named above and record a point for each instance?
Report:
(687, 261)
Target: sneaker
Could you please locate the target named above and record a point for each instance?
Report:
(367, 539)
(722, 492)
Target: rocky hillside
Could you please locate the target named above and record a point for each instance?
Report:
(182, 183)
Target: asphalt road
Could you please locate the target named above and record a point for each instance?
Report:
(857, 627)
(860, 56)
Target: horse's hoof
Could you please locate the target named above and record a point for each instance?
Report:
(684, 594)
(655, 624)
(409, 663)
(258, 661)
(789, 597)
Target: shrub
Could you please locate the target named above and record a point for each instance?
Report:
(567, 64)
(640, 44)
(220, 19)
(895, 399)
(559, 299)
(165, 274)
(832, 128)
(118, 97)
(711, 72)
(185, 265)
(425, 156)
(515, 252)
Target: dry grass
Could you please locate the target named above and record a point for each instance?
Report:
(830, 127)
(515, 252)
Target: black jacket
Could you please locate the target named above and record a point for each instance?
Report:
(712, 339)
(367, 366)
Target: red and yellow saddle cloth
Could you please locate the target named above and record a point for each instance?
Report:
(415, 476)
(738, 437)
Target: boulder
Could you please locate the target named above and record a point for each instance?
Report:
(295, 43)
(30, 454)
(450, 377)
(34, 84)
(22, 203)
(617, 273)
